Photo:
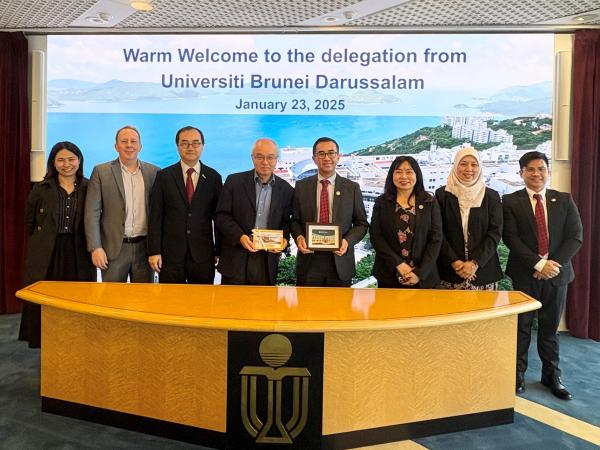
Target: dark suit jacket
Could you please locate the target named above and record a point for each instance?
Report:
(41, 220)
(174, 224)
(565, 233)
(485, 232)
(427, 240)
(348, 212)
(236, 215)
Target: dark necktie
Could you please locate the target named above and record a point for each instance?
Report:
(189, 184)
(324, 202)
(540, 226)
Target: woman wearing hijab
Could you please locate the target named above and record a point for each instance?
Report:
(406, 229)
(472, 218)
(54, 219)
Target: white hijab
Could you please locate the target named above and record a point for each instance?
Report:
(469, 195)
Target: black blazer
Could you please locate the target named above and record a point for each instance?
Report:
(41, 220)
(485, 231)
(174, 224)
(236, 215)
(426, 243)
(348, 211)
(565, 233)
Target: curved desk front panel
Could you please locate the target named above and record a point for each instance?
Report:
(231, 367)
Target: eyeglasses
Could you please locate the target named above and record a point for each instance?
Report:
(269, 158)
(322, 155)
(187, 144)
(532, 170)
(404, 173)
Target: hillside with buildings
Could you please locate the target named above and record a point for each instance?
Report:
(481, 131)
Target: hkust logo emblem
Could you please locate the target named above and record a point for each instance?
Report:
(275, 350)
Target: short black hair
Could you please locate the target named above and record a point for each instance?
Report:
(390, 190)
(325, 139)
(51, 171)
(188, 128)
(530, 156)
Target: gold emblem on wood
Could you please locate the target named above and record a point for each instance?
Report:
(275, 350)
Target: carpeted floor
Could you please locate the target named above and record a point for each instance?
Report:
(24, 426)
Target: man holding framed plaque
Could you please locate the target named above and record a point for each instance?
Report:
(253, 214)
(328, 220)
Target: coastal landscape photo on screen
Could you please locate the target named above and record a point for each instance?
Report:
(378, 95)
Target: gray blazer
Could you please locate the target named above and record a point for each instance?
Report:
(105, 205)
(348, 212)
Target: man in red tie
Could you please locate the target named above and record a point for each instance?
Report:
(543, 231)
(327, 197)
(182, 208)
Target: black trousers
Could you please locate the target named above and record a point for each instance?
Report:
(187, 271)
(553, 304)
(256, 273)
(322, 272)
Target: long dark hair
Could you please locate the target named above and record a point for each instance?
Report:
(65, 145)
(390, 190)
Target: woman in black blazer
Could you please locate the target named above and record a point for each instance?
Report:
(472, 217)
(54, 219)
(406, 229)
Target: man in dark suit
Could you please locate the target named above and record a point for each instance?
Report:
(256, 199)
(116, 212)
(182, 207)
(543, 231)
(341, 204)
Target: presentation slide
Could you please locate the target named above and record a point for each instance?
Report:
(378, 95)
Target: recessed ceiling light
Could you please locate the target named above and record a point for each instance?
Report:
(100, 19)
(585, 17)
(141, 5)
(329, 19)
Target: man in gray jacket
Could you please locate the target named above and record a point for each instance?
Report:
(116, 212)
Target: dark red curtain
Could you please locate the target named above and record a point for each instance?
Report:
(14, 165)
(583, 307)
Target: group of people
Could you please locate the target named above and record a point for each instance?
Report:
(132, 219)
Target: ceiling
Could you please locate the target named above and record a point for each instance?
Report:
(58, 16)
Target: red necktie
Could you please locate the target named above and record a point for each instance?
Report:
(324, 202)
(540, 226)
(189, 184)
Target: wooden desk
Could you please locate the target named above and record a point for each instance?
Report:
(395, 364)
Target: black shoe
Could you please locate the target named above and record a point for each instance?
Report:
(520, 384)
(555, 384)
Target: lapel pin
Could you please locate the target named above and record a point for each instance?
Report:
(203, 176)
(553, 200)
(420, 206)
(337, 193)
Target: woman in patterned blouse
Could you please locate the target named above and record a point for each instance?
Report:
(406, 229)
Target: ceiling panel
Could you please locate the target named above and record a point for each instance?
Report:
(475, 12)
(232, 13)
(213, 15)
